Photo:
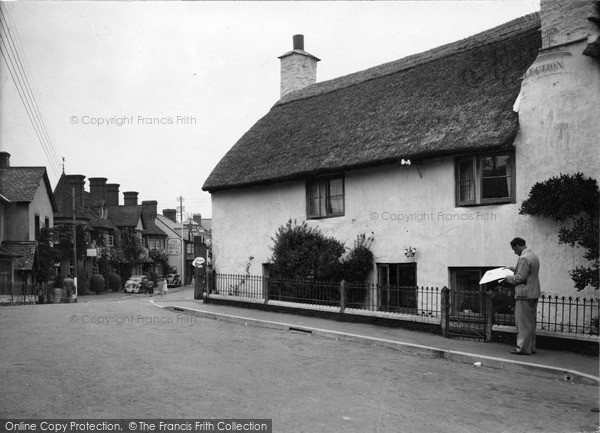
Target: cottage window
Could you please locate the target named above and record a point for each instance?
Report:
(109, 240)
(397, 286)
(467, 293)
(37, 226)
(325, 197)
(485, 179)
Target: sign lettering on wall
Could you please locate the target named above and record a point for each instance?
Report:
(174, 247)
(548, 64)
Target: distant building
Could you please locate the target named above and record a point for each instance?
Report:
(26, 205)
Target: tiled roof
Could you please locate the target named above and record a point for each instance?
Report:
(19, 184)
(124, 216)
(25, 252)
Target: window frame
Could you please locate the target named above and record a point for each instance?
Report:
(323, 183)
(457, 299)
(477, 179)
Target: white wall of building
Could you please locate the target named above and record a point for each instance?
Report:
(559, 114)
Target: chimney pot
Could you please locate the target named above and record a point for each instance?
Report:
(4, 159)
(298, 42)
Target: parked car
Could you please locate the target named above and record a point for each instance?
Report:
(173, 280)
(134, 284)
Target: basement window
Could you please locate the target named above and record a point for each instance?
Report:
(325, 197)
(485, 179)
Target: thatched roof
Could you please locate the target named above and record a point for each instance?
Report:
(454, 99)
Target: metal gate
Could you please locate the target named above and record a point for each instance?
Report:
(464, 314)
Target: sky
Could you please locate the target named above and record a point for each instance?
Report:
(151, 95)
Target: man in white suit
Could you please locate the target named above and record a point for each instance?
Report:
(527, 292)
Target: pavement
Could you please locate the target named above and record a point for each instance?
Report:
(556, 364)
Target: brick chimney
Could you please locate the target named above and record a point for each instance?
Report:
(130, 198)
(76, 181)
(97, 188)
(298, 68)
(4, 159)
(149, 208)
(566, 21)
(197, 218)
(112, 194)
(171, 214)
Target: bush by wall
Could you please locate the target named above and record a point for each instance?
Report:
(113, 282)
(97, 283)
(301, 252)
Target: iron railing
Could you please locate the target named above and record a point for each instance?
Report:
(555, 314)
(23, 294)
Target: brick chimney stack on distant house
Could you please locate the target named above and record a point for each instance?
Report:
(298, 68)
(130, 198)
(97, 188)
(197, 218)
(4, 159)
(76, 181)
(149, 208)
(112, 194)
(171, 214)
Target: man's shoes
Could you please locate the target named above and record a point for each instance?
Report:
(518, 352)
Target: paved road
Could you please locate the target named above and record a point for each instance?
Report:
(126, 358)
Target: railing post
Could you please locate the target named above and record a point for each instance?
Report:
(445, 310)
(342, 299)
(209, 282)
(489, 315)
(265, 288)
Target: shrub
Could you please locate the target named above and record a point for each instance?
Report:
(302, 252)
(573, 201)
(97, 283)
(356, 268)
(113, 282)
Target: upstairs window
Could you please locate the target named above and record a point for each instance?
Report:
(109, 240)
(325, 197)
(485, 179)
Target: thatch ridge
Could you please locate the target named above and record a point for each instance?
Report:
(454, 99)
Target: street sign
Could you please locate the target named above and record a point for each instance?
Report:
(198, 262)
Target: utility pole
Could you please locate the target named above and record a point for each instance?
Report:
(180, 198)
(74, 243)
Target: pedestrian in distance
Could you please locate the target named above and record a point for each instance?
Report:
(68, 285)
(149, 286)
(163, 287)
(527, 292)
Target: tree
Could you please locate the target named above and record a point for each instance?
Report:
(48, 256)
(573, 201)
(130, 247)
